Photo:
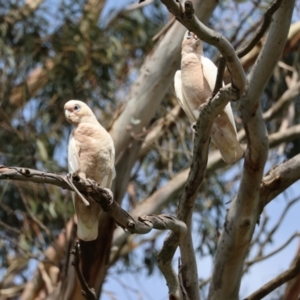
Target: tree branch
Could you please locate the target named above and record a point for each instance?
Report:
(192, 23)
(277, 281)
(141, 225)
(287, 97)
(158, 70)
(273, 183)
(279, 179)
(263, 257)
(271, 51)
(233, 244)
(265, 25)
(157, 132)
(256, 38)
(208, 111)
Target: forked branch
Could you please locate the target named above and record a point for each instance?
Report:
(208, 111)
(187, 18)
(140, 225)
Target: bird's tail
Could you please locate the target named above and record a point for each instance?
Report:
(88, 219)
(224, 137)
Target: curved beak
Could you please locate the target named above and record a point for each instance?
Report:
(67, 113)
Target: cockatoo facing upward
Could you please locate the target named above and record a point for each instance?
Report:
(194, 85)
(91, 154)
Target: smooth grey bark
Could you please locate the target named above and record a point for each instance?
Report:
(242, 216)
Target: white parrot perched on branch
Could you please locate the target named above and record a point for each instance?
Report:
(91, 154)
(194, 85)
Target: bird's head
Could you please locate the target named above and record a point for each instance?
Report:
(191, 43)
(78, 112)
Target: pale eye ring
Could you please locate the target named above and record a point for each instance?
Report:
(76, 107)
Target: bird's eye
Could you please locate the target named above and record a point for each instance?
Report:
(188, 35)
(76, 107)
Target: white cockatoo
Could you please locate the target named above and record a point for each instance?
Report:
(91, 154)
(194, 85)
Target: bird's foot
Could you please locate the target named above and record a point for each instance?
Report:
(89, 183)
(194, 127)
(108, 195)
(69, 179)
(75, 176)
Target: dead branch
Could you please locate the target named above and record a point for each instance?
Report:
(141, 225)
(273, 183)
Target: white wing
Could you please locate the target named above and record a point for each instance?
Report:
(181, 99)
(73, 156)
(224, 131)
(110, 171)
(210, 72)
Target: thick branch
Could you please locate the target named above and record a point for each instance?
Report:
(242, 216)
(272, 50)
(273, 183)
(287, 97)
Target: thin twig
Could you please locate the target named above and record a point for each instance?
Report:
(242, 52)
(277, 281)
(265, 25)
(279, 222)
(263, 257)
